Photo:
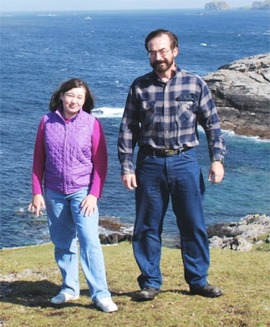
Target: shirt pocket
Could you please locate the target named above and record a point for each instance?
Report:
(147, 111)
(186, 109)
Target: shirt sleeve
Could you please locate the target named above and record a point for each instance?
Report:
(209, 120)
(128, 133)
(39, 160)
(100, 160)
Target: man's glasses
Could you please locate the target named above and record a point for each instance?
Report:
(161, 52)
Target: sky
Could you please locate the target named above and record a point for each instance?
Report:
(66, 5)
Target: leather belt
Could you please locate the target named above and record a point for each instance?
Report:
(161, 152)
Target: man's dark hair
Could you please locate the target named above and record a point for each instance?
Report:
(159, 32)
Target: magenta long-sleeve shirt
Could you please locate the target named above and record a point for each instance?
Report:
(99, 151)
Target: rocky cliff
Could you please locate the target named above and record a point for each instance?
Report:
(241, 91)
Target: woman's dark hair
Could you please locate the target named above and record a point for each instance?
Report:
(159, 32)
(73, 83)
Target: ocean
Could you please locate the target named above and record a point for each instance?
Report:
(106, 49)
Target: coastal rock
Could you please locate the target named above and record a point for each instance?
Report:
(242, 235)
(113, 231)
(240, 244)
(261, 5)
(217, 5)
(241, 91)
(237, 236)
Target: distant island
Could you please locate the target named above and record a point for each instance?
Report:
(222, 5)
(217, 5)
(261, 5)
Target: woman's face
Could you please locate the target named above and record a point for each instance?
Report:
(73, 100)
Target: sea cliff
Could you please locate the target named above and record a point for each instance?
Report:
(241, 91)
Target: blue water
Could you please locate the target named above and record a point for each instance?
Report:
(106, 49)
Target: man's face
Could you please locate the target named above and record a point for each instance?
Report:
(161, 55)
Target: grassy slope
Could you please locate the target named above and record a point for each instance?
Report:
(29, 278)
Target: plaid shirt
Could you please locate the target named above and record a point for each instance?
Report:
(166, 115)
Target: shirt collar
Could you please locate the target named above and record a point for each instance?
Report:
(59, 113)
(154, 76)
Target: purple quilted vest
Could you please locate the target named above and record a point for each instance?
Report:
(68, 165)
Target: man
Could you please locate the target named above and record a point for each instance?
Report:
(161, 115)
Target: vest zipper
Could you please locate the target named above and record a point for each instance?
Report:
(64, 160)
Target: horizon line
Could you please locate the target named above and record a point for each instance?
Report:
(118, 9)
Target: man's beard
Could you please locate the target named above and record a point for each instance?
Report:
(166, 65)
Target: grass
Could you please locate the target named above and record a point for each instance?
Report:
(29, 278)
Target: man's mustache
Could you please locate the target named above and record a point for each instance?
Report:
(157, 62)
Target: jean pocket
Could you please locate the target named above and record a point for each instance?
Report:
(190, 154)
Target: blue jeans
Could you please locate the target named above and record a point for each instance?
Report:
(66, 226)
(160, 179)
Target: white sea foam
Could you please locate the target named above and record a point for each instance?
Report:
(47, 15)
(108, 112)
(230, 133)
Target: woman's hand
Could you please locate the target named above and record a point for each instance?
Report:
(37, 205)
(89, 205)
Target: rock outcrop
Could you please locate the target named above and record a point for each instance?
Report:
(242, 235)
(113, 231)
(217, 5)
(241, 91)
(237, 236)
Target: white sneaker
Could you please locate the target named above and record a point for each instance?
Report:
(63, 297)
(106, 305)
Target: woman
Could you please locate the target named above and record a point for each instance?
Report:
(70, 155)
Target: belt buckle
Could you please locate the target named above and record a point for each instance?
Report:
(169, 152)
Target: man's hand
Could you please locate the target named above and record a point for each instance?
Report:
(129, 180)
(216, 172)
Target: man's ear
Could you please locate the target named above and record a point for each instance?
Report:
(176, 52)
